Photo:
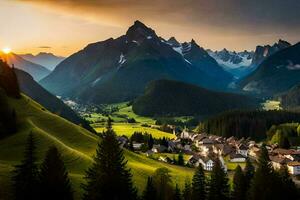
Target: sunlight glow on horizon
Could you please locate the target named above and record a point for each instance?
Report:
(6, 50)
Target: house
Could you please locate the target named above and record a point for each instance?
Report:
(171, 146)
(149, 153)
(278, 161)
(205, 150)
(207, 141)
(294, 168)
(123, 141)
(185, 134)
(206, 162)
(159, 148)
(137, 146)
(254, 152)
(291, 154)
(187, 147)
(236, 157)
(242, 149)
(165, 159)
(223, 149)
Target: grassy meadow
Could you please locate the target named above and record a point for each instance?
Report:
(75, 143)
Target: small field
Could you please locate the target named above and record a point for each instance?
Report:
(271, 105)
(128, 129)
(121, 125)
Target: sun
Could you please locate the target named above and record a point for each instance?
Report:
(6, 50)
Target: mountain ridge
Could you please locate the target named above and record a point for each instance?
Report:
(113, 66)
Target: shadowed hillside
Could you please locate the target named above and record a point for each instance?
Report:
(172, 98)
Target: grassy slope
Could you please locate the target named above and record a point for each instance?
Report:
(76, 144)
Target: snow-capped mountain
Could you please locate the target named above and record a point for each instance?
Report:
(232, 59)
(236, 63)
(118, 69)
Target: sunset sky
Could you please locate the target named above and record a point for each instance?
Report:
(65, 26)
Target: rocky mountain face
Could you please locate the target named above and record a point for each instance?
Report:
(276, 74)
(118, 69)
(48, 60)
(263, 52)
(36, 71)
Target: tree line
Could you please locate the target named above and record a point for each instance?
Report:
(9, 87)
(246, 124)
(110, 178)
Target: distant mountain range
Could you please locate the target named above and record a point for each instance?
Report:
(241, 64)
(236, 63)
(35, 70)
(276, 74)
(118, 70)
(48, 60)
(173, 98)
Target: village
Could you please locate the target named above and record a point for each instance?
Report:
(203, 149)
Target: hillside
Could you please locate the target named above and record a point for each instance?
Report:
(172, 98)
(75, 143)
(276, 74)
(32, 89)
(36, 71)
(291, 99)
(117, 70)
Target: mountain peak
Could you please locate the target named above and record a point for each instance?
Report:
(194, 43)
(138, 23)
(282, 43)
(139, 32)
(173, 42)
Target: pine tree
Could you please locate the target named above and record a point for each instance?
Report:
(218, 186)
(150, 142)
(150, 192)
(264, 183)
(199, 184)
(287, 185)
(249, 172)
(177, 193)
(239, 185)
(163, 184)
(180, 160)
(109, 178)
(25, 175)
(54, 182)
(187, 192)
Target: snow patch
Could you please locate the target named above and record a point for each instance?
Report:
(96, 81)
(134, 41)
(178, 50)
(122, 59)
(293, 66)
(187, 61)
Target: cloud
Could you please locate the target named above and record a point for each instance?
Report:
(44, 47)
(215, 24)
(255, 15)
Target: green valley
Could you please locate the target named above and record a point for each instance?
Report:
(76, 144)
